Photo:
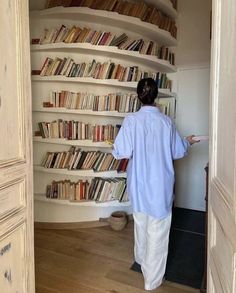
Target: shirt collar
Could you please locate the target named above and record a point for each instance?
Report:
(150, 109)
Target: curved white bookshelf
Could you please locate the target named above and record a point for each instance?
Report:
(109, 18)
(131, 85)
(62, 212)
(62, 141)
(109, 51)
(88, 203)
(80, 112)
(111, 82)
(80, 173)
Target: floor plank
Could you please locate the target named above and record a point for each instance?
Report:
(94, 260)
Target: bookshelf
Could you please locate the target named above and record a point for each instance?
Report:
(114, 203)
(80, 173)
(89, 80)
(80, 112)
(49, 210)
(109, 51)
(81, 143)
(108, 18)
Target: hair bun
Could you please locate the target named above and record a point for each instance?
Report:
(147, 90)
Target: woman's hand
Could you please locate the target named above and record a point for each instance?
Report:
(191, 139)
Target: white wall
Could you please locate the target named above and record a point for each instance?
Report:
(191, 83)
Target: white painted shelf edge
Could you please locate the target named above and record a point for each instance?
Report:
(80, 173)
(62, 141)
(132, 85)
(43, 198)
(80, 112)
(111, 18)
(147, 60)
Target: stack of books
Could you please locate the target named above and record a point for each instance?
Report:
(120, 102)
(140, 9)
(77, 159)
(76, 130)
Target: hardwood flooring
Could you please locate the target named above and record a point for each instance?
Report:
(94, 260)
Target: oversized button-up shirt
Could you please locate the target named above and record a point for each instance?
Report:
(150, 141)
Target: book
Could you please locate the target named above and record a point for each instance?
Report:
(201, 137)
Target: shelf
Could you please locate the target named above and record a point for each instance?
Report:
(110, 51)
(62, 141)
(165, 6)
(80, 173)
(114, 203)
(109, 18)
(80, 112)
(64, 211)
(109, 82)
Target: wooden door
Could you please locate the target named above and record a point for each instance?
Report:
(222, 180)
(16, 208)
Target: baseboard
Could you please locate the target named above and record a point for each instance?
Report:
(72, 226)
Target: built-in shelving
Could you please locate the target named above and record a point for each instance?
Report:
(80, 173)
(82, 143)
(131, 85)
(109, 51)
(65, 211)
(80, 112)
(88, 203)
(109, 18)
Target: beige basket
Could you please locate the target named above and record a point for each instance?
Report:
(118, 220)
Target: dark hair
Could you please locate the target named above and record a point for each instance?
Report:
(147, 91)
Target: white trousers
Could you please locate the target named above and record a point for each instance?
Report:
(151, 240)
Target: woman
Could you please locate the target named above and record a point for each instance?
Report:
(151, 142)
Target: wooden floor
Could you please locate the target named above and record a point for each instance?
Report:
(94, 260)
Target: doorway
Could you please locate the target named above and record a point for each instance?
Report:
(191, 82)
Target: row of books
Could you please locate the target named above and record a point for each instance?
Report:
(103, 189)
(99, 190)
(77, 159)
(107, 70)
(140, 9)
(76, 130)
(76, 34)
(68, 190)
(120, 102)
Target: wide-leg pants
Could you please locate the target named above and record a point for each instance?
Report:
(151, 240)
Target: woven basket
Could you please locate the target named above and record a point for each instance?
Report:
(118, 220)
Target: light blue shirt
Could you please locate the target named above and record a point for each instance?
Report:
(151, 142)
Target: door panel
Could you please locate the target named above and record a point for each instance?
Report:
(12, 197)
(13, 260)
(222, 179)
(16, 192)
(11, 76)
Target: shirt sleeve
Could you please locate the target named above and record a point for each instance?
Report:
(122, 147)
(179, 146)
